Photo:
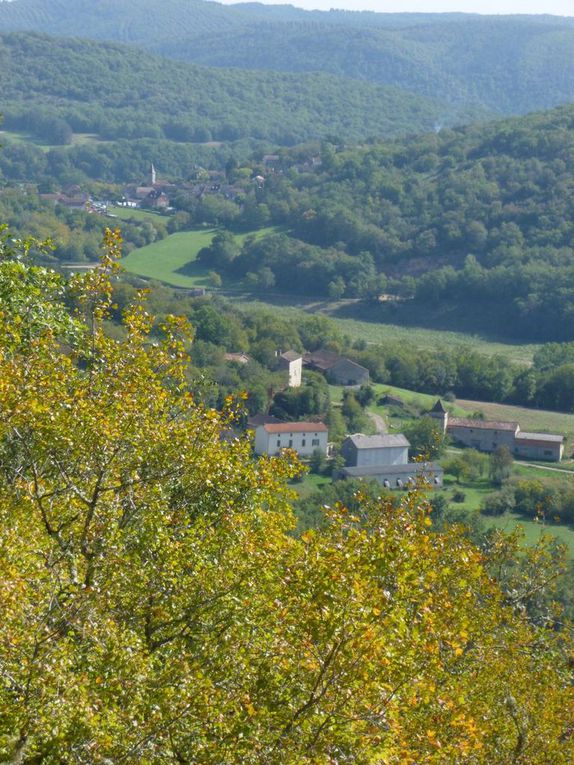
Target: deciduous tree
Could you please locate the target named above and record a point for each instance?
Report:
(156, 610)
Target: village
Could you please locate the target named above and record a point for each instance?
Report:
(384, 456)
(158, 194)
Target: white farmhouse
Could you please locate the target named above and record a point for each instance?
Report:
(302, 437)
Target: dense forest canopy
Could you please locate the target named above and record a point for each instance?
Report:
(476, 214)
(507, 65)
(52, 87)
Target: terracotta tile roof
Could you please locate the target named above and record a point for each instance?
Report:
(461, 422)
(296, 427)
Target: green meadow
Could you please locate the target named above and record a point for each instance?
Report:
(173, 260)
(163, 259)
(377, 333)
(78, 139)
(133, 213)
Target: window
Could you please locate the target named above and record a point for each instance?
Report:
(315, 442)
(290, 443)
(303, 442)
(278, 444)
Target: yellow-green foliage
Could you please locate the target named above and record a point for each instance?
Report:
(156, 610)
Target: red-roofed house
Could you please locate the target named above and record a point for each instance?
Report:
(302, 437)
(488, 435)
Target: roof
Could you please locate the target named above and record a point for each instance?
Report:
(545, 438)
(378, 442)
(461, 422)
(261, 419)
(438, 407)
(296, 427)
(388, 398)
(239, 358)
(344, 361)
(411, 469)
(321, 359)
(291, 356)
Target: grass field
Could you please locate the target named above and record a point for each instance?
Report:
(534, 531)
(133, 213)
(164, 259)
(310, 483)
(424, 401)
(377, 333)
(78, 139)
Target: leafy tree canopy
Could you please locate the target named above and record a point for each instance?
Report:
(155, 608)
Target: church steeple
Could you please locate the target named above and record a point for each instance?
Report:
(152, 175)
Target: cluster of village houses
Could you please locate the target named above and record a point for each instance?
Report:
(385, 457)
(158, 194)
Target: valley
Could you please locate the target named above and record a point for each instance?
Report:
(286, 385)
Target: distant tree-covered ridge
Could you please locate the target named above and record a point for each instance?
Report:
(55, 87)
(512, 64)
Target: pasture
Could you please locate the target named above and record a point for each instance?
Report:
(378, 333)
(173, 260)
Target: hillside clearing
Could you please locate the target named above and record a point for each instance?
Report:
(173, 260)
(377, 333)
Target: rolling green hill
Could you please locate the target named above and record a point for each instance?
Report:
(54, 86)
(511, 64)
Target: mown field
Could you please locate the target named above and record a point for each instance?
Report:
(133, 213)
(163, 259)
(78, 139)
(172, 260)
(376, 333)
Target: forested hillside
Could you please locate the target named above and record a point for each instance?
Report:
(478, 215)
(508, 66)
(53, 87)
(503, 64)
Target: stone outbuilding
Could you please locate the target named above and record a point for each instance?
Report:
(489, 435)
(337, 369)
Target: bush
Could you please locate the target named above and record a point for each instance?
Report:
(499, 502)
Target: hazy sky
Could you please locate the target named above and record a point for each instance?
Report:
(555, 7)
